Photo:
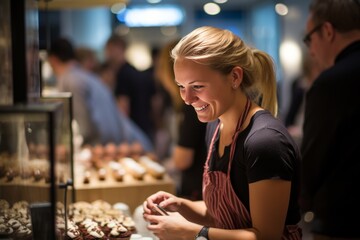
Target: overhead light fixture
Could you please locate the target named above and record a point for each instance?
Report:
(212, 8)
(281, 9)
(153, 1)
(290, 55)
(117, 8)
(220, 1)
(152, 16)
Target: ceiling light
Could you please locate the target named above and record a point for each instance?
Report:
(220, 1)
(145, 16)
(153, 1)
(117, 8)
(212, 8)
(281, 9)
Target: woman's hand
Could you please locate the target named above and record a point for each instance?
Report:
(174, 226)
(164, 199)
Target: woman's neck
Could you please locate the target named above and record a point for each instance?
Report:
(229, 121)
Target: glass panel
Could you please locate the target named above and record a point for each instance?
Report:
(6, 86)
(28, 141)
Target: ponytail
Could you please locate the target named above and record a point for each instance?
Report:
(265, 81)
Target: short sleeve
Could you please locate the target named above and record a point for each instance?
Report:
(269, 154)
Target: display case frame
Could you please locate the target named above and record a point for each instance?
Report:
(50, 113)
(66, 99)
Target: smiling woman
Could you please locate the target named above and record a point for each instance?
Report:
(250, 179)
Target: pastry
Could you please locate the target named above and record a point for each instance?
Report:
(4, 205)
(136, 150)
(14, 224)
(37, 175)
(10, 175)
(5, 231)
(129, 224)
(104, 226)
(152, 167)
(133, 168)
(95, 233)
(101, 204)
(86, 179)
(97, 155)
(119, 174)
(119, 233)
(20, 205)
(110, 151)
(102, 174)
(123, 150)
(23, 233)
(73, 234)
(118, 171)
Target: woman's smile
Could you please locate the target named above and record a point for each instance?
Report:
(202, 108)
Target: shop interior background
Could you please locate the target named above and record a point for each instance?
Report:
(276, 27)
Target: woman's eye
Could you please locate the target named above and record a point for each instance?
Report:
(197, 87)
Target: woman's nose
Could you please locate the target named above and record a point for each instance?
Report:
(188, 96)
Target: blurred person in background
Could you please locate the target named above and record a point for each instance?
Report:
(107, 75)
(87, 58)
(94, 106)
(188, 154)
(133, 89)
(330, 146)
(294, 118)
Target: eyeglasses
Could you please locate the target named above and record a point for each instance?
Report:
(307, 38)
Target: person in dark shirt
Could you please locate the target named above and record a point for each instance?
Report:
(134, 90)
(330, 146)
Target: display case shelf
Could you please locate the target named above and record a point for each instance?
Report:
(130, 191)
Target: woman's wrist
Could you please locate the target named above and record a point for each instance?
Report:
(193, 231)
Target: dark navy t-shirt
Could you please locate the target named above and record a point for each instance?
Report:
(264, 150)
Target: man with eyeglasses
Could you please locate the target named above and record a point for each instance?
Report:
(331, 140)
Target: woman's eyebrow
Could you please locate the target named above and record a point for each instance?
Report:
(187, 83)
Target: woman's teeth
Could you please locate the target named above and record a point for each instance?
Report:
(200, 108)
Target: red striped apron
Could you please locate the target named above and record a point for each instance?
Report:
(221, 200)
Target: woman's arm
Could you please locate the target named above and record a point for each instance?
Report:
(269, 201)
(195, 211)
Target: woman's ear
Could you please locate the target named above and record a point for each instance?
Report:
(236, 77)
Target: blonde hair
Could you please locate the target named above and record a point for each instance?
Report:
(222, 50)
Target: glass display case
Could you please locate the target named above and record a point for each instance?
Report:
(35, 169)
(66, 150)
(5, 54)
